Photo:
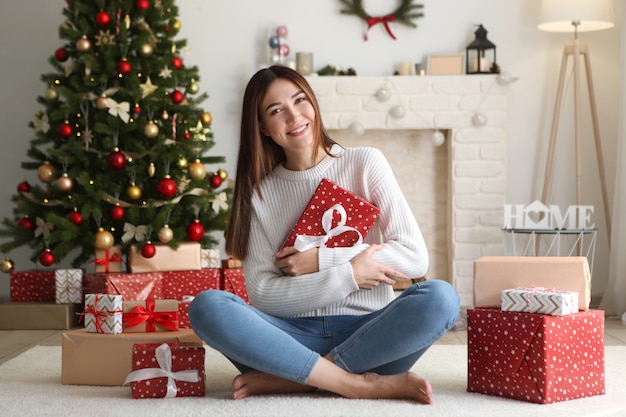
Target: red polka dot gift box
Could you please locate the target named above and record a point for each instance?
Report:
(534, 357)
(334, 217)
(167, 370)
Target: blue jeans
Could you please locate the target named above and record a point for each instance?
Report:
(388, 341)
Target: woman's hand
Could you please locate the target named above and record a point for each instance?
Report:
(369, 274)
(294, 263)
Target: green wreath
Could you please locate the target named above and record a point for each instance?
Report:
(404, 14)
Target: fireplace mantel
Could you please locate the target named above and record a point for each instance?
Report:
(472, 112)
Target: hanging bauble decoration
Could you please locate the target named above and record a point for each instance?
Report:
(65, 183)
(182, 162)
(151, 130)
(177, 63)
(193, 87)
(117, 212)
(195, 231)
(187, 135)
(165, 234)
(23, 187)
(148, 250)
(205, 118)
(197, 170)
(165, 115)
(75, 217)
(123, 67)
(60, 55)
(437, 138)
(479, 120)
(176, 25)
(151, 170)
(83, 44)
(222, 173)
(51, 94)
(7, 265)
(357, 129)
(133, 192)
(215, 181)
(146, 50)
(46, 258)
(104, 239)
(136, 109)
(167, 187)
(142, 4)
(65, 129)
(27, 223)
(101, 103)
(177, 96)
(117, 160)
(47, 172)
(103, 18)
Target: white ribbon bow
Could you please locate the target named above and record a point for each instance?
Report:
(43, 228)
(219, 202)
(304, 242)
(163, 356)
(119, 109)
(130, 232)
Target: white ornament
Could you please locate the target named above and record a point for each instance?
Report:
(397, 112)
(383, 94)
(505, 78)
(437, 138)
(479, 120)
(357, 129)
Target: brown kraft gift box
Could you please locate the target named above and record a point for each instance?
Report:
(188, 256)
(106, 359)
(38, 316)
(492, 274)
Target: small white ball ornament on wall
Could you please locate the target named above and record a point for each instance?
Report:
(437, 138)
(357, 129)
(383, 94)
(479, 120)
(397, 112)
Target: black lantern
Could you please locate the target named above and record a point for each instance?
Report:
(481, 54)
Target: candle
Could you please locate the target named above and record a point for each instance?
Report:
(405, 68)
(484, 65)
(304, 63)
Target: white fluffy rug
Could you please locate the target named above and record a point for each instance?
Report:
(30, 385)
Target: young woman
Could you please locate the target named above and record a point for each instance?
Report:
(322, 318)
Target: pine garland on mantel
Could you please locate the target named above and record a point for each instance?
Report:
(404, 14)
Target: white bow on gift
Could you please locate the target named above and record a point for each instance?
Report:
(164, 358)
(304, 242)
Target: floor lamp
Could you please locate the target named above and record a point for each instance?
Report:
(576, 16)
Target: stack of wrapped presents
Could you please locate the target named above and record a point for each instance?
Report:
(531, 334)
(126, 327)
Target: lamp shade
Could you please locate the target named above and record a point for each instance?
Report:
(558, 15)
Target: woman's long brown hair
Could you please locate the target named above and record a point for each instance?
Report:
(258, 154)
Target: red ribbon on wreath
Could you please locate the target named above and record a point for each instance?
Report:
(140, 314)
(385, 20)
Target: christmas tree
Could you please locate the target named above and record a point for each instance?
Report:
(121, 144)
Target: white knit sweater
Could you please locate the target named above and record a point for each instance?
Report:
(332, 290)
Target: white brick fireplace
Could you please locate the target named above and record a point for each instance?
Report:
(457, 190)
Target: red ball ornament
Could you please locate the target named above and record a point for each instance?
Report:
(60, 54)
(46, 258)
(117, 212)
(75, 217)
(187, 135)
(65, 130)
(142, 4)
(177, 63)
(148, 250)
(23, 187)
(167, 187)
(137, 109)
(102, 18)
(195, 231)
(123, 67)
(215, 180)
(117, 160)
(177, 96)
(27, 223)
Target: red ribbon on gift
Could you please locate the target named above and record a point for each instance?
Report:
(140, 314)
(107, 260)
(99, 315)
(385, 20)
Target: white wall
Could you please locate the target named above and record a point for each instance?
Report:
(228, 45)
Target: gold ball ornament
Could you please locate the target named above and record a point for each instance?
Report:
(222, 174)
(133, 192)
(182, 162)
(7, 266)
(83, 44)
(51, 94)
(193, 87)
(104, 239)
(165, 234)
(65, 183)
(101, 103)
(197, 170)
(151, 130)
(176, 25)
(47, 172)
(206, 118)
(146, 50)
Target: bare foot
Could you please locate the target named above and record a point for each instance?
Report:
(407, 385)
(258, 383)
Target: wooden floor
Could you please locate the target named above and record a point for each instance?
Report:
(14, 342)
